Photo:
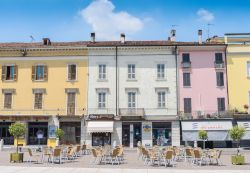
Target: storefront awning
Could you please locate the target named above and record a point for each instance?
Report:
(217, 130)
(246, 125)
(100, 126)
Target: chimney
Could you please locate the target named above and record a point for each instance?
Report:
(173, 35)
(46, 41)
(122, 38)
(200, 36)
(92, 35)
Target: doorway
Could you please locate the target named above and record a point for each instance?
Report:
(4, 133)
(37, 127)
(127, 132)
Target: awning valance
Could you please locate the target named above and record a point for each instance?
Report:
(100, 126)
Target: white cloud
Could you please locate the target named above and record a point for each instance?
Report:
(107, 23)
(205, 15)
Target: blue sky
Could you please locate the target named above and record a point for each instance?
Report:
(73, 20)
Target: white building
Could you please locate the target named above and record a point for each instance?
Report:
(132, 94)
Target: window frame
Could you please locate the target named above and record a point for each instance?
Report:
(186, 83)
(161, 73)
(133, 103)
(69, 79)
(161, 103)
(189, 109)
(183, 57)
(102, 74)
(34, 104)
(102, 100)
(220, 80)
(131, 71)
(219, 105)
(11, 101)
(217, 56)
(67, 103)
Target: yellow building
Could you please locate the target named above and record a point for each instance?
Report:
(238, 69)
(43, 85)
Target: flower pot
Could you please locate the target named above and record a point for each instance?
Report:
(238, 160)
(16, 157)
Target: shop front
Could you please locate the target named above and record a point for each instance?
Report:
(245, 141)
(4, 133)
(218, 133)
(100, 129)
(131, 133)
(162, 135)
(37, 133)
(72, 132)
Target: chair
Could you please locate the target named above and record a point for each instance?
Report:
(114, 156)
(189, 154)
(97, 156)
(216, 156)
(168, 158)
(56, 155)
(31, 156)
(150, 157)
(46, 152)
(199, 158)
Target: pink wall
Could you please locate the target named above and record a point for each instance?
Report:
(203, 91)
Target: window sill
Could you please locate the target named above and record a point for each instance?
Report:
(102, 80)
(187, 86)
(163, 79)
(71, 80)
(131, 80)
(12, 80)
(40, 80)
(220, 86)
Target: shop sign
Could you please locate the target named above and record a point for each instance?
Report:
(52, 131)
(39, 134)
(207, 125)
(146, 128)
(101, 117)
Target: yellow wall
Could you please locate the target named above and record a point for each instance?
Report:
(238, 82)
(55, 97)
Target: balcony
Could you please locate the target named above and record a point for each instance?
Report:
(219, 65)
(131, 112)
(186, 65)
(205, 115)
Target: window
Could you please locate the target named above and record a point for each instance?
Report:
(220, 78)
(7, 100)
(160, 71)
(71, 103)
(221, 104)
(72, 72)
(248, 69)
(9, 72)
(186, 79)
(218, 58)
(131, 99)
(161, 99)
(102, 100)
(185, 57)
(39, 72)
(187, 105)
(38, 100)
(131, 71)
(102, 71)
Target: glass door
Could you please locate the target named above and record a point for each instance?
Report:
(137, 133)
(125, 135)
(5, 135)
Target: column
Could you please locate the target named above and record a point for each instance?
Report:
(176, 133)
(131, 131)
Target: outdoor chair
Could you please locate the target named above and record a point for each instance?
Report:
(150, 158)
(46, 153)
(114, 158)
(33, 156)
(217, 157)
(97, 156)
(57, 155)
(189, 155)
(199, 158)
(168, 158)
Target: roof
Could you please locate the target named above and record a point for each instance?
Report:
(103, 44)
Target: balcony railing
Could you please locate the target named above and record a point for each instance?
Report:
(186, 64)
(205, 115)
(219, 65)
(135, 112)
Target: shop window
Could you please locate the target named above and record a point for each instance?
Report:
(101, 139)
(162, 135)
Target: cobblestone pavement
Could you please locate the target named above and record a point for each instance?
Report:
(131, 162)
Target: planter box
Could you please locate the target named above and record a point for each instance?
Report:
(16, 157)
(238, 160)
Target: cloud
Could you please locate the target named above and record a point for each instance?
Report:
(205, 15)
(107, 23)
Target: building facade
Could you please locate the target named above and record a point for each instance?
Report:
(43, 85)
(135, 83)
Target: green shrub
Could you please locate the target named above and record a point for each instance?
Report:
(203, 135)
(17, 130)
(236, 134)
(59, 133)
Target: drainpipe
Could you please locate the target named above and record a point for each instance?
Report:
(226, 75)
(177, 79)
(116, 83)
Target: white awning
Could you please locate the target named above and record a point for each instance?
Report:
(100, 126)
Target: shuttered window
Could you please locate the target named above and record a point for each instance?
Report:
(220, 78)
(38, 100)
(102, 71)
(7, 100)
(221, 104)
(131, 99)
(160, 71)
(131, 71)
(39, 72)
(72, 72)
(9, 72)
(101, 100)
(161, 99)
(186, 79)
(71, 103)
(218, 58)
(187, 105)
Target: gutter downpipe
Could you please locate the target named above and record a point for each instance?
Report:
(116, 78)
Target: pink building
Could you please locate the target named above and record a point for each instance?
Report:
(202, 80)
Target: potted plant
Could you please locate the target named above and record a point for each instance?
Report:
(59, 135)
(203, 136)
(17, 130)
(246, 107)
(236, 134)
